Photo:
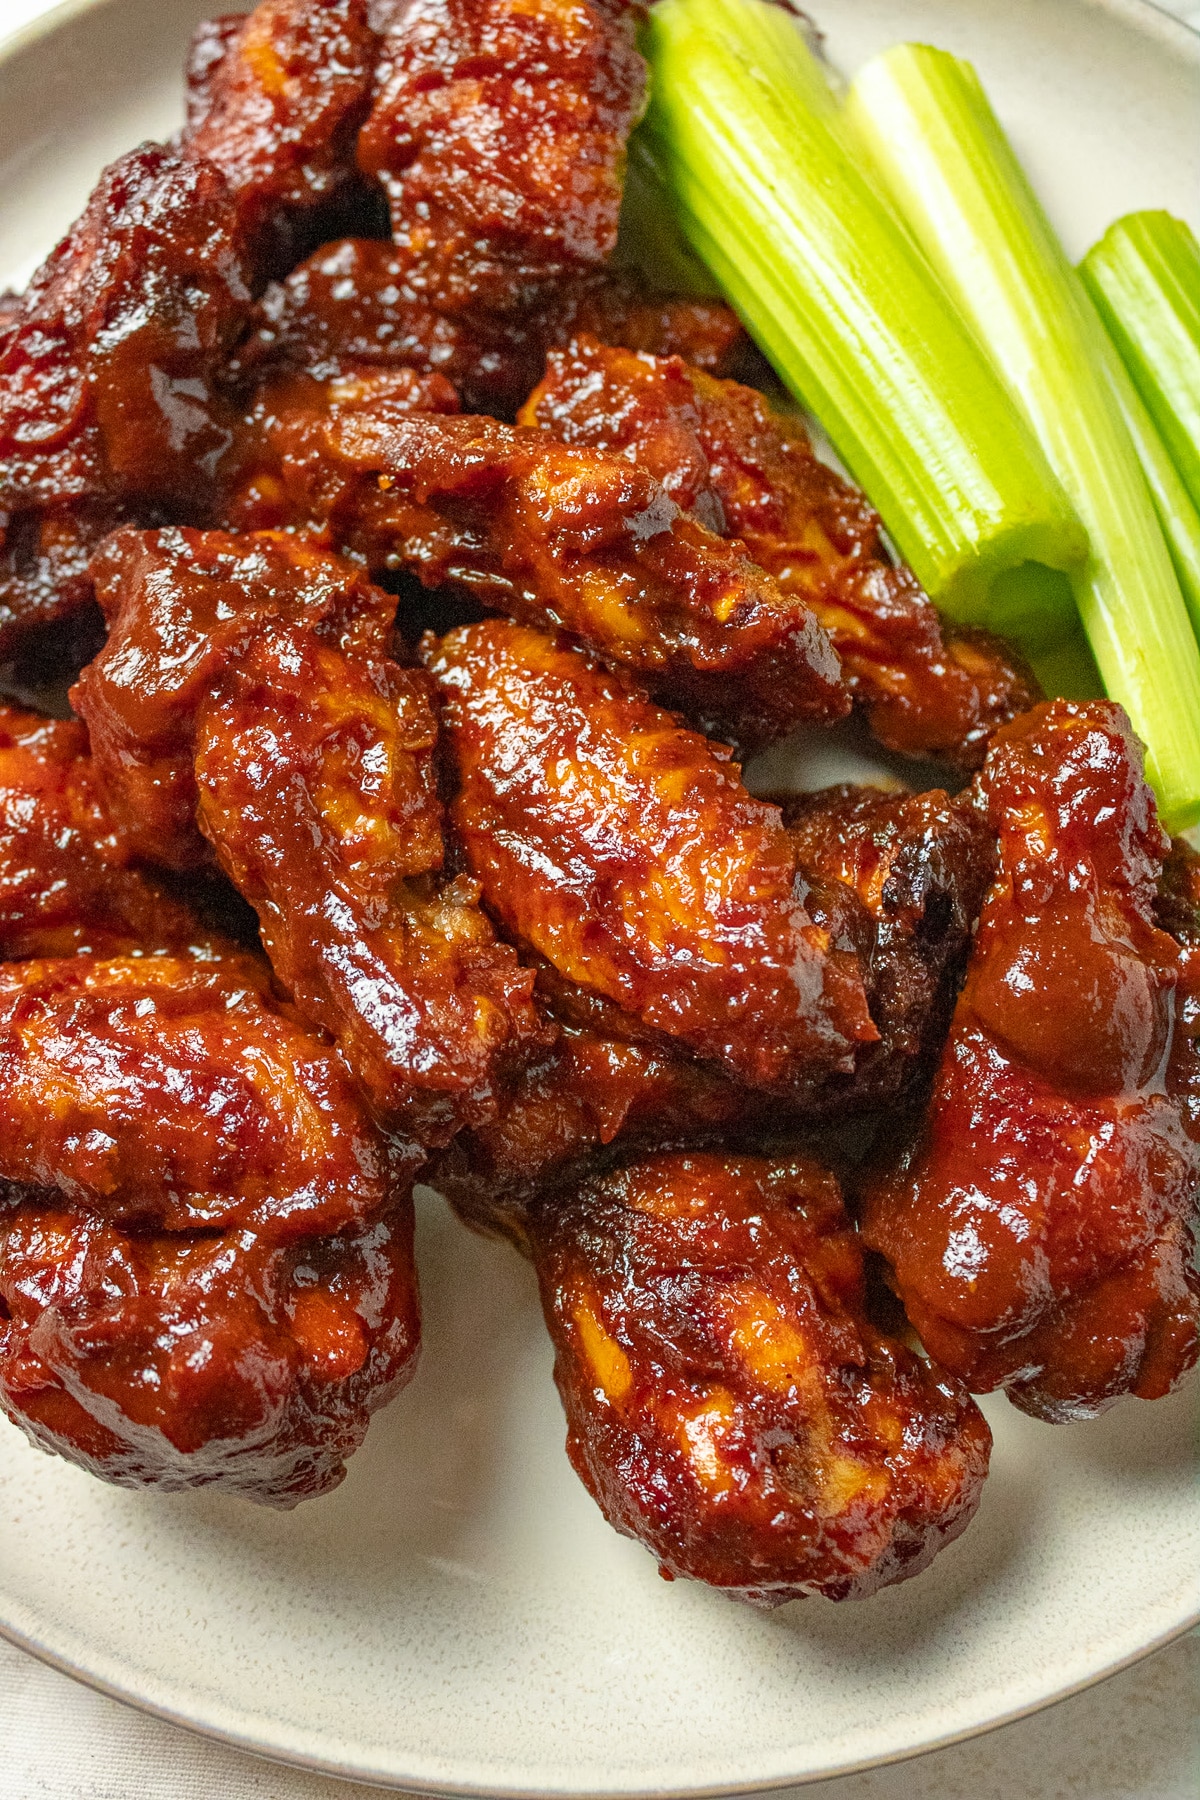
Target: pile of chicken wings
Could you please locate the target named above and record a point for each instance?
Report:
(425, 580)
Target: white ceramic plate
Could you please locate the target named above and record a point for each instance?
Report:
(457, 1617)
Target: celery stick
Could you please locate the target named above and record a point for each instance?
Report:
(925, 120)
(1144, 276)
(746, 138)
(1177, 515)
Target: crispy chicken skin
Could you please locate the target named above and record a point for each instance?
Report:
(624, 849)
(551, 535)
(247, 684)
(232, 1359)
(67, 884)
(728, 1403)
(275, 101)
(928, 688)
(1041, 1227)
(347, 305)
(498, 133)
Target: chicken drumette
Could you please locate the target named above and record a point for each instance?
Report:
(1041, 1227)
(728, 1401)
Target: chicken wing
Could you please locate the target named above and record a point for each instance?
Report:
(624, 849)
(728, 1403)
(550, 535)
(928, 688)
(170, 1093)
(275, 101)
(498, 132)
(894, 879)
(247, 684)
(1041, 1227)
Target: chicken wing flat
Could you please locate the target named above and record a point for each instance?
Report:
(498, 133)
(275, 101)
(347, 305)
(196, 1359)
(928, 688)
(728, 1403)
(1041, 1227)
(553, 535)
(893, 879)
(624, 850)
(66, 880)
(247, 684)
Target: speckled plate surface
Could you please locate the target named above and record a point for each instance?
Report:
(457, 1617)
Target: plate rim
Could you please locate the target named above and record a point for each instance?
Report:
(1184, 38)
(359, 1775)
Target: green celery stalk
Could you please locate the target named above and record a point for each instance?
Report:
(1178, 516)
(924, 118)
(745, 135)
(1144, 276)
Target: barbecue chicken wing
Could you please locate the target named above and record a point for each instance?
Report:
(550, 535)
(275, 101)
(498, 133)
(1041, 1227)
(624, 849)
(928, 688)
(247, 692)
(894, 879)
(347, 306)
(206, 1266)
(728, 1403)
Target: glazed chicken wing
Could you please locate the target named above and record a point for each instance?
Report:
(728, 1403)
(894, 879)
(927, 687)
(551, 535)
(183, 1100)
(247, 692)
(1041, 1227)
(624, 849)
(498, 132)
(275, 101)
